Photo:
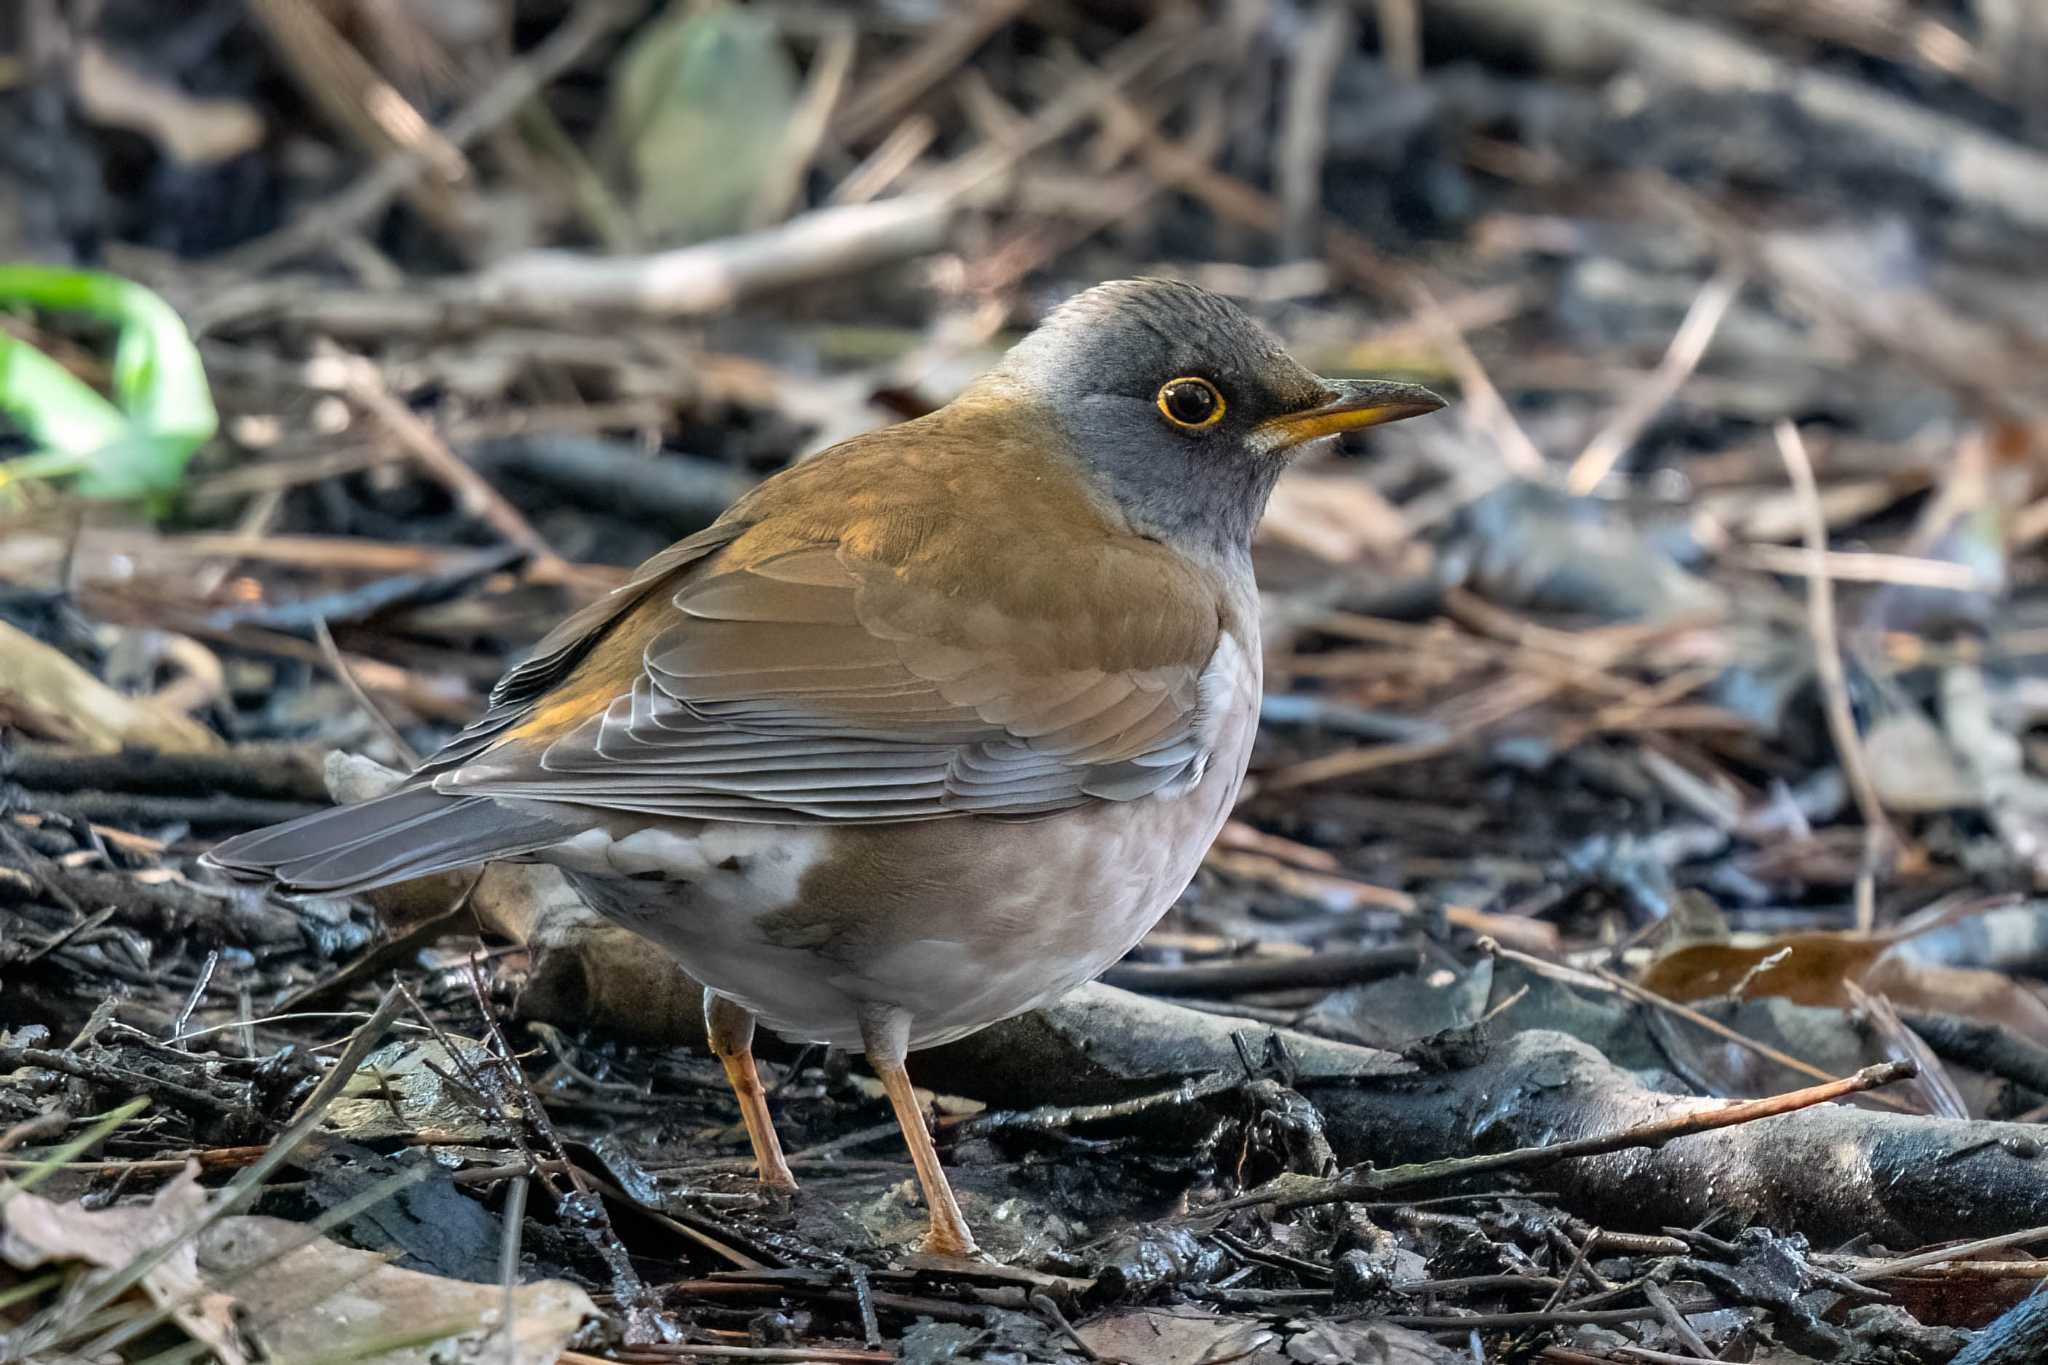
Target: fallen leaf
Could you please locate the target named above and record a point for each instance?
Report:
(700, 104)
(402, 1089)
(46, 694)
(191, 129)
(35, 1231)
(1808, 968)
(1182, 1337)
(1187, 1336)
(1364, 1342)
(1963, 992)
(1828, 970)
(1913, 768)
(326, 1301)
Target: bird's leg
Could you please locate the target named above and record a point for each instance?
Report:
(885, 1030)
(731, 1030)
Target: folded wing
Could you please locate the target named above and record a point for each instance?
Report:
(816, 684)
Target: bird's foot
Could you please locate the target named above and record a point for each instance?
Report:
(939, 1249)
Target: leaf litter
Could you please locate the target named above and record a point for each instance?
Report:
(1563, 821)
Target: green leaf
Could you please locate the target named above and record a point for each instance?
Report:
(161, 413)
(700, 110)
(54, 406)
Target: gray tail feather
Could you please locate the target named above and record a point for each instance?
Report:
(410, 833)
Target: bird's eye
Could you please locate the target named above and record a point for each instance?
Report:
(1190, 403)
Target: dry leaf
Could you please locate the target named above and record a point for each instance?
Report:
(1810, 971)
(193, 130)
(1187, 1336)
(1182, 1337)
(1912, 766)
(402, 1089)
(35, 1232)
(1356, 1341)
(46, 694)
(327, 1301)
(1826, 969)
(1962, 992)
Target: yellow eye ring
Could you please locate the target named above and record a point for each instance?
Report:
(1190, 403)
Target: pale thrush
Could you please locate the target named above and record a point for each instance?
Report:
(923, 731)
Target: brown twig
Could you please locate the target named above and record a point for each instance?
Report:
(943, 48)
(354, 96)
(584, 1208)
(1305, 124)
(514, 86)
(1292, 1191)
(1833, 678)
(1861, 566)
(1601, 978)
(808, 125)
(1688, 346)
(338, 666)
(365, 387)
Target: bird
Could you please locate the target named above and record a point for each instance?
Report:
(923, 731)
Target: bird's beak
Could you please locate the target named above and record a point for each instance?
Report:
(1352, 405)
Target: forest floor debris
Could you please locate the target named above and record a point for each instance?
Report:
(1654, 742)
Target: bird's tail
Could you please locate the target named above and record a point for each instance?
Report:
(410, 833)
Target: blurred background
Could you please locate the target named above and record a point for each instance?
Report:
(352, 342)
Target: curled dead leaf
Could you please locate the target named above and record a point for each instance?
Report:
(46, 694)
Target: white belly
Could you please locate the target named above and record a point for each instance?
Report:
(962, 922)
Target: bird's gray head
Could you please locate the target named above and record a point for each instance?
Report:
(1181, 408)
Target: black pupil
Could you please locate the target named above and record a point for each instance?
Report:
(1190, 403)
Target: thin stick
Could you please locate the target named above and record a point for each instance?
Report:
(1680, 1328)
(508, 1265)
(1688, 345)
(1860, 566)
(393, 175)
(1305, 130)
(1401, 38)
(338, 666)
(346, 88)
(1921, 1259)
(43, 1125)
(596, 1224)
(365, 387)
(1293, 1191)
(1827, 662)
(1601, 977)
(245, 1186)
(937, 55)
(808, 124)
(184, 1016)
(1483, 404)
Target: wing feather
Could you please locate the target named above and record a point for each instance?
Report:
(856, 677)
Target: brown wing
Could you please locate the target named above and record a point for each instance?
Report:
(569, 646)
(801, 687)
(912, 665)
